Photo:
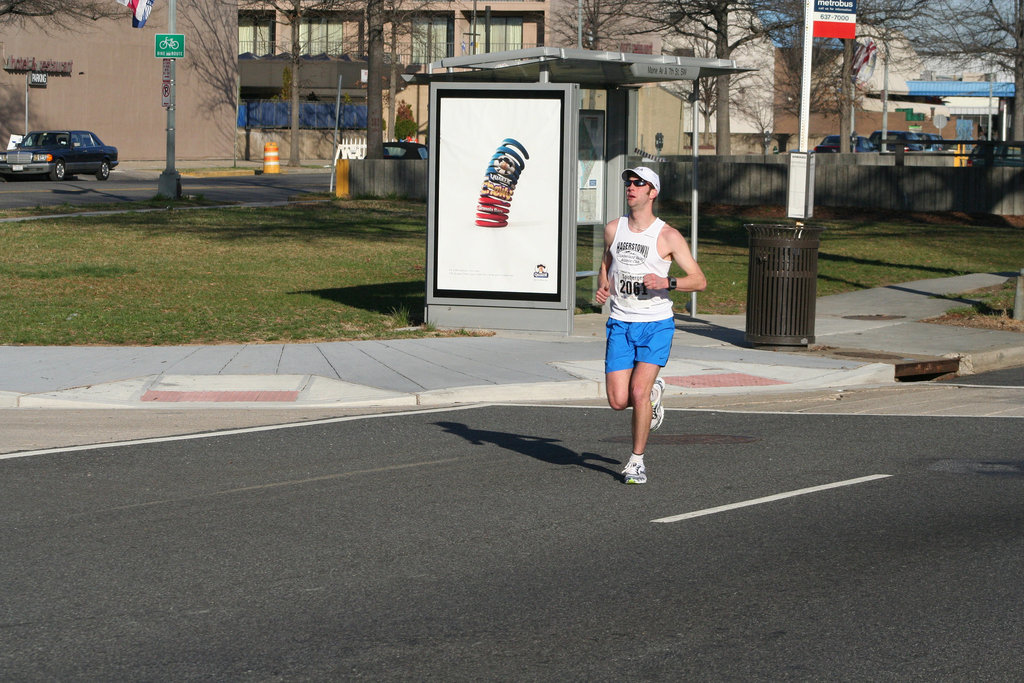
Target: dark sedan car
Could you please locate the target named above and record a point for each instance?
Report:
(404, 150)
(59, 154)
(831, 144)
(912, 142)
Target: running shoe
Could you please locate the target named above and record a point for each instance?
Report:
(657, 410)
(635, 473)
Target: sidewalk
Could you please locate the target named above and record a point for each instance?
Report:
(202, 168)
(859, 337)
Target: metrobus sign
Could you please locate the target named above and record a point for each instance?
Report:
(835, 19)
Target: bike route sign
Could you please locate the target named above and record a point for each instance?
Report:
(169, 45)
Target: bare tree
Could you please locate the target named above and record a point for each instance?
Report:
(725, 24)
(399, 15)
(985, 32)
(826, 73)
(605, 24)
(707, 88)
(753, 97)
(62, 13)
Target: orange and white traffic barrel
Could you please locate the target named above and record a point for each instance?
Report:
(271, 161)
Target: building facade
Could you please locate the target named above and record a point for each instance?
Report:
(103, 76)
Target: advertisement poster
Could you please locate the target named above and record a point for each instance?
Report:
(499, 196)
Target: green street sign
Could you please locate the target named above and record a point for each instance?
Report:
(169, 45)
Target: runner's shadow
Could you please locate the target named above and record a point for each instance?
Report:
(541, 448)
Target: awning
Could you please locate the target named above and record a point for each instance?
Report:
(572, 65)
(960, 88)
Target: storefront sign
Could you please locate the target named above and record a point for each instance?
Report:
(50, 66)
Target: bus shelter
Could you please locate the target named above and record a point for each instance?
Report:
(526, 152)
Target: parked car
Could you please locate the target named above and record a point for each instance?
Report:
(831, 144)
(996, 155)
(404, 150)
(912, 142)
(59, 154)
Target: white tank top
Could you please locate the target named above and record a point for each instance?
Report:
(634, 254)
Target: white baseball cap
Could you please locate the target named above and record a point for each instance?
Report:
(645, 173)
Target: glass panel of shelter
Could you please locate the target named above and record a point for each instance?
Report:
(592, 188)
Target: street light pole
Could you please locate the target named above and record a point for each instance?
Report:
(579, 24)
(169, 184)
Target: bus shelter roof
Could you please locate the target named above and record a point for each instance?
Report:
(593, 68)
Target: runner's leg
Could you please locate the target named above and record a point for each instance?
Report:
(640, 383)
(616, 385)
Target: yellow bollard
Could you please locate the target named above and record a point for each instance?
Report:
(341, 188)
(960, 160)
(271, 162)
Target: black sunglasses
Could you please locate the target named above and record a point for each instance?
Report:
(639, 182)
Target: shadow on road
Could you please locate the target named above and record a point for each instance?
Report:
(543, 449)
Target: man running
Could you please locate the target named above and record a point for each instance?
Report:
(639, 249)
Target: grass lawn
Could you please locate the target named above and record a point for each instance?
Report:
(346, 270)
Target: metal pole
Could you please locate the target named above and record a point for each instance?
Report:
(169, 184)
(579, 24)
(694, 194)
(805, 78)
(28, 77)
(885, 96)
(991, 77)
(473, 38)
(1018, 299)
(234, 131)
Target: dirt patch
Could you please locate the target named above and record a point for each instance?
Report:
(985, 322)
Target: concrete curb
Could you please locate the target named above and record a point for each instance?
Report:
(995, 359)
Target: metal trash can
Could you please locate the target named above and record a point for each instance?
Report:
(782, 284)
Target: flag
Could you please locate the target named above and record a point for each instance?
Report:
(864, 61)
(140, 10)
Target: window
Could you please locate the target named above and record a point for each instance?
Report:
(506, 34)
(256, 34)
(432, 39)
(322, 35)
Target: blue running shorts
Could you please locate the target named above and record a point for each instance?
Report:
(632, 343)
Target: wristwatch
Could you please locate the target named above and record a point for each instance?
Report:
(671, 283)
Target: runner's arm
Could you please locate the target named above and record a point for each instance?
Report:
(679, 251)
(603, 281)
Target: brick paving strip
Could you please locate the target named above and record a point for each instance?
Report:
(728, 379)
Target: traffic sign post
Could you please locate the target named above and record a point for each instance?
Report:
(171, 47)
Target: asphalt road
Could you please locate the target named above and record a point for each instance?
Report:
(497, 543)
(135, 186)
